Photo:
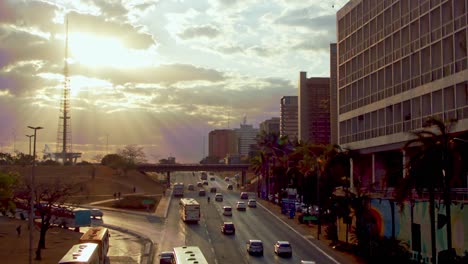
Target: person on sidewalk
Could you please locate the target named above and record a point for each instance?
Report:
(18, 230)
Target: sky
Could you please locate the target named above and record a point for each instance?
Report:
(158, 74)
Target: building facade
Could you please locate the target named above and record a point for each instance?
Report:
(270, 126)
(333, 96)
(314, 109)
(400, 63)
(246, 136)
(289, 109)
(222, 142)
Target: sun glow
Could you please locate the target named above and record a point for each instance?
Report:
(98, 51)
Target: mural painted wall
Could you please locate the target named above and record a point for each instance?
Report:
(412, 225)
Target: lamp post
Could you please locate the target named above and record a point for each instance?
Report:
(30, 136)
(31, 198)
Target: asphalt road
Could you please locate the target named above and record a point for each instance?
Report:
(254, 223)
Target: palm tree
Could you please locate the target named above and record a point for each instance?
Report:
(430, 168)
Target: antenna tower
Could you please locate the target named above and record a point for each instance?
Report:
(64, 137)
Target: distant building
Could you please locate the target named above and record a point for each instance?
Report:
(222, 142)
(271, 125)
(314, 109)
(246, 136)
(289, 117)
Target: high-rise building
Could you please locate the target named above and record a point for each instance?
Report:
(314, 109)
(399, 63)
(222, 142)
(246, 136)
(289, 117)
(271, 125)
(333, 96)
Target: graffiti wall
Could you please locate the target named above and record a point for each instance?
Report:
(411, 224)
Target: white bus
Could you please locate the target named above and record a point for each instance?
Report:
(178, 189)
(189, 210)
(189, 255)
(85, 253)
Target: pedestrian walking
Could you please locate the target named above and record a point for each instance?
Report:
(115, 196)
(18, 230)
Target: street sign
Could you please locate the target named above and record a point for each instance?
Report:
(309, 218)
(148, 202)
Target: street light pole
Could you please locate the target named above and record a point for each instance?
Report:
(30, 136)
(31, 198)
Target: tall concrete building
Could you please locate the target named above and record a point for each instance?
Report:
(246, 136)
(271, 125)
(222, 142)
(399, 63)
(314, 109)
(333, 96)
(289, 117)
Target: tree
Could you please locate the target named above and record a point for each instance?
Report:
(430, 168)
(48, 197)
(8, 181)
(132, 154)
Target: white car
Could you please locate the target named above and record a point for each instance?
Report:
(241, 206)
(307, 262)
(252, 203)
(255, 246)
(226, 179)
(283, 248)
(227, 210)
(219, 197)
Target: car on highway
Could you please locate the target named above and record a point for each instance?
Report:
(283, 248)
(213, 190)
(228, 228)
(201, 192)
(244, 195)
(205, 182)
(227, 210)
(190, 187)
(226, 179)
(212, 178)
(230, 187)
(167, 257)
(252, 203)
(255, 247)
(219, 197)
(199, 184)
(307, 262)
(241, 206)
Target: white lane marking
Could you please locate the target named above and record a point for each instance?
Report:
(305, 238)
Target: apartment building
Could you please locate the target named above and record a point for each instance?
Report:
(333, 95)
(314, 109)
(222, 142)
(399, 62)
(270, 126)
(289, 109)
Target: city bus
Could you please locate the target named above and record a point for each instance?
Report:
(98, 235)
(84, 253)
(189, 254)
(189, 210)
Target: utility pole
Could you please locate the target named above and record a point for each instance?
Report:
(30, 136)
(31, 198)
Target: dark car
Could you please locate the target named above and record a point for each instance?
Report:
(166, 257)
(213, 190)
(244, 195)
(228, 228)
(229, 187)
(201, 192)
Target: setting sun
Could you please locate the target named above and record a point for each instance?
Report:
(98, 51)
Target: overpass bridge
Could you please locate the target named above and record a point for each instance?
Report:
(168, 168)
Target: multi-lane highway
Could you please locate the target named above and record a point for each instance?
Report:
(254, 223)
